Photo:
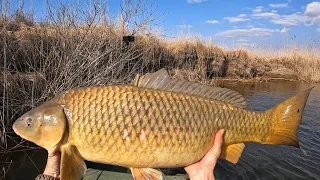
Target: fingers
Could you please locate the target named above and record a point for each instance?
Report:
(53, 164)
(54, 154)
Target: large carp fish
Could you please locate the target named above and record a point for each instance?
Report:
(155, 122)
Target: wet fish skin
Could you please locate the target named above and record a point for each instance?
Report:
(135, 127)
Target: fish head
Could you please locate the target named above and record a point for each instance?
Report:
(45, 126)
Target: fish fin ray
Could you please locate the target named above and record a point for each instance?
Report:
(162, 81)
(232, 153)
(73, 166)
(146, 174)
(286, 118)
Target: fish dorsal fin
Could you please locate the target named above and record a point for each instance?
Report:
(155, 80)
(161, 80)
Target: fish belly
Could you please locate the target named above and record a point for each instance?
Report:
(135, 127)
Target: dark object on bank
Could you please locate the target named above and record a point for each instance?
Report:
(128, 39)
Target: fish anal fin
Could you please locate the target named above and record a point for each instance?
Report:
(146, 174)
(232, 153)
(73, 166)
(161, 80)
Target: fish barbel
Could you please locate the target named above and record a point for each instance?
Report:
(156, 122)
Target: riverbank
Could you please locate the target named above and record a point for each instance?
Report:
(28, 45)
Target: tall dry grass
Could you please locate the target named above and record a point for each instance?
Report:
(40, 59)
(305, 63)
(75, 48)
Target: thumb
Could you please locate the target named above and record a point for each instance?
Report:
(213, 154)
(218, 142)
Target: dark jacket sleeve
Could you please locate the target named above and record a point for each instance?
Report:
(45, 177)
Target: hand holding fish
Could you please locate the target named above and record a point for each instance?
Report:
(53, 164)
(205, 167)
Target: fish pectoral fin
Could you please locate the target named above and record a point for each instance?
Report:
(73, 166)
(232, 153)
(146, 174)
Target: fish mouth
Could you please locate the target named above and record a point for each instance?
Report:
(15, 129)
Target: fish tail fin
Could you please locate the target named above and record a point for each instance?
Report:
(286, 118)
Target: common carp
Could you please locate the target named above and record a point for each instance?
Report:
(155, 122)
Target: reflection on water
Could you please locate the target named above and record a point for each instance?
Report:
(257, 161)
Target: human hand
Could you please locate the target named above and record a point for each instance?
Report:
(53, 164)
(203, 169)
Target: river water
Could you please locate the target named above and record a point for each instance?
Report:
(257, 161)
(279, 162)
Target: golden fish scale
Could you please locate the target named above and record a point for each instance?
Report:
(135, 127)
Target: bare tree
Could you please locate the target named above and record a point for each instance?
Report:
(139, 16)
